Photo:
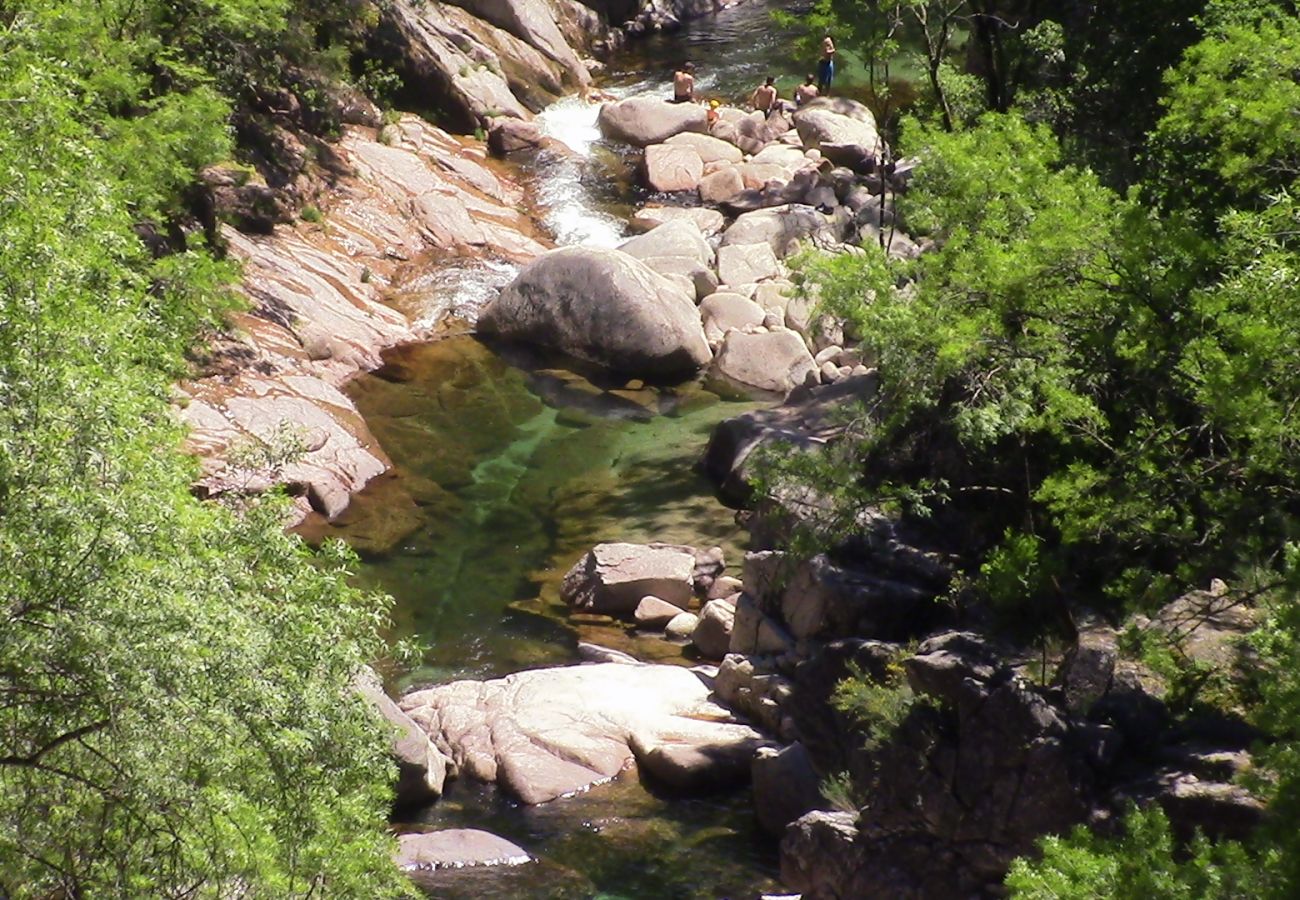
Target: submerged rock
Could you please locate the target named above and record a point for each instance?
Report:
(545, 733)
(602, 306)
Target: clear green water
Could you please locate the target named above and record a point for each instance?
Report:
(505, 471)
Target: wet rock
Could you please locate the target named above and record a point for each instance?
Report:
(603, 306)
(421, 768)
(769, 361)
(645, 120)
(652, 612)
(747, 263)
(676, 238)
(786, 787)
(456, 848)
(670, 167)
(613, 578)
(508, 135)
(712, 636)
(544, 733)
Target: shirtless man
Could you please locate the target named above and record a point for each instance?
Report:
(764, 99)
(684, 84)
(826, 66)
(806, 91)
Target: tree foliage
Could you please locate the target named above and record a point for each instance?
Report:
(175, 712)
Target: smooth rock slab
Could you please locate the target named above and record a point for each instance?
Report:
(675, 238)
(612, 578)
(457, 848)
(545, 733)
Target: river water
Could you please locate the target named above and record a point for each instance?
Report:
(508, 465)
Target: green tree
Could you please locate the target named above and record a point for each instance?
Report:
(175, 712)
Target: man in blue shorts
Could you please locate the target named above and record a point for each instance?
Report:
(826, 66)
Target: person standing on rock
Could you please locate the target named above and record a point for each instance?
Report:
(765, 97)
(826, 66)
(806, 91)
(684, 84)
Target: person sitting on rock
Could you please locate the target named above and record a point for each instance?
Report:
(826, 65)
(684, 84)
(765, 97)
(712, 114)
(806, 91)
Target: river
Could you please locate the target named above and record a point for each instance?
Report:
(509, 465)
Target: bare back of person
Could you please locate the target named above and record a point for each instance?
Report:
(764, 98)
(805, 92)
(684, 85)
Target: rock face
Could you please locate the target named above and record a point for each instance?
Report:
(769, 361)
(613, 578)
(786, 787)
(317, 315)
(455, 848)
(603, 306)
(478, 59)
(545, 733)
(643, 120)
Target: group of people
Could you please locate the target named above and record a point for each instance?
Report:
(766, 98)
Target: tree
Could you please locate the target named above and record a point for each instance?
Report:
(175, 712)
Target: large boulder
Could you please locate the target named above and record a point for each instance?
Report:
(709, 148)
(603, 306)
(613, 578)
(843, 130)
(649, 120)
(675, 238)
(544, 733)
(786, 787)
(669, 167)
(712, 635)
(775, 361)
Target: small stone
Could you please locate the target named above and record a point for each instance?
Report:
(682, 626)
(653, 612)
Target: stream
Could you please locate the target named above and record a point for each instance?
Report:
(508, 465)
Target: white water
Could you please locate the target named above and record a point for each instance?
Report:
(571, 213)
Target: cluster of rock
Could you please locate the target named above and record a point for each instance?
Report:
(692, 290)
(999, 749)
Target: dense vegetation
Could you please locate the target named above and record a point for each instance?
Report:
(175, 718)
(1090, 386)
